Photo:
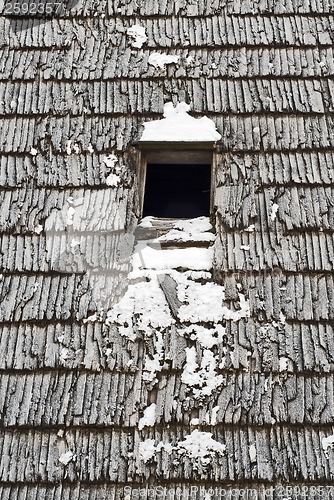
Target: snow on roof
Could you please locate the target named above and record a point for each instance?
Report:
(178, 126)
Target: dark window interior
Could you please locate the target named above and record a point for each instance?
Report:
(177, 191)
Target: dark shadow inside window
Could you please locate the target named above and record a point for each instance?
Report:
(177, 191)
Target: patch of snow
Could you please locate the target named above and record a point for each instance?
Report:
(327, 442)
(188, 258)
(203, 378)
(144, 304)
(66, 458)
(159, 59)
(113, 180)
(207, 495)
(205, 303)
(148, 420)
(177, 126)
(74, 243)
(193, 226)
(206, 336)
(138, 35)
(198, 229)
(252, 453)
(146, 222)
(147, 450)
(198, 275)
(245, 248)
(167, 447)
(90, 148)
(33, 151)
(189, 60)
(200, 447)
(274, 210)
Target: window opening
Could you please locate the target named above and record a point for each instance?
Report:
(177, 190)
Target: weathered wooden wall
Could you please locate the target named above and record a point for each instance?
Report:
(263, 71)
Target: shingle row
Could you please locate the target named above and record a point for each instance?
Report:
(284, 7)
(296, 252)
(74, 62)
(214, 95)
(299, 297)
(309, 168)
(89, 346)
(77, 251)
(281, 452)
(239, 133)
(71, 398)
(273, 293)
(180, 31)
(198, 8)
(95, 346)
(65, 252)
(295, 207)
(65, 170)
(308, 346)
(87, 169)
(74, 211)
(61, 296)
(163, 491)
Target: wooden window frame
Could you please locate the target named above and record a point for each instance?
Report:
(174, 153)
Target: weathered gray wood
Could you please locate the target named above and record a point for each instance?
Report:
(75, 91)
(169, 285)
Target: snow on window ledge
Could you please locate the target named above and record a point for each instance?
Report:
(178, 126)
